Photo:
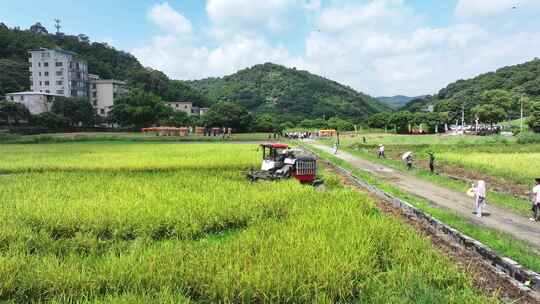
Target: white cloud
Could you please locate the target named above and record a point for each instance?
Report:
(169, 20)
(484, 8)
(382, 47)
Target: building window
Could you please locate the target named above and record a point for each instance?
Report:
(59, 82)
(46, 73)
(94, 103)
(176, 105)
(22, 97)
(39, 64)
(30, 74)
(93, 86)
(102, 111)
(47, 83)
(74, 93)
(59, 73)
(94, 94)
(39, 73)
(45, 64)
(59, 64)
(40, 83)
(60, 92)
(47, 91)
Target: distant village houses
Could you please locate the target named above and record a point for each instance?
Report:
(187, 107)
(59, 73)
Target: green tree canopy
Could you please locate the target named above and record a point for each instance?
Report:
(139, 109)
(489, 113)
(75, 110)
(13, 112)
(534, 118)
(230, 115)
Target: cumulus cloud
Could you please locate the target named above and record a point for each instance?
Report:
(484, 8)
(168, 19)
(382, 47)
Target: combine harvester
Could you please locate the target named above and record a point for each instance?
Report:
(281, 162)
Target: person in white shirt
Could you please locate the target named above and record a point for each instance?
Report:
(381, 151)
(480, 195)
(536, 201)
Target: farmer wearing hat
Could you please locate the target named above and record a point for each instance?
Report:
(536, 201)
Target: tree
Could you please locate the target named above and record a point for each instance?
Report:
(14, 76)
(38, 29)
(401, 121)
(317, 123)
(379, 120)
(50, 120)
(150, 80)
(139, 109)
(266, 123)
(13, 112)
(339, 124)
(499, 98)
(78, 111)
(177, 119)
(230, 115)
(179, 91)
(489, 113)
(534, 117)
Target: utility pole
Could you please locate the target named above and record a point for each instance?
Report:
(463, 118)
(57, 26)
(521, 115)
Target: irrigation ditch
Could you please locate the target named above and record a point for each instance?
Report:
(491, 272)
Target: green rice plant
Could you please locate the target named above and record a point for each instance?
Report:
(178, 223)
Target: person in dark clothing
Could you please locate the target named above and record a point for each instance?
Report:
(432, 162)
(364, 139)
(409, 161)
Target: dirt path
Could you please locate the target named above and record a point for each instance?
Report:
(498, 218)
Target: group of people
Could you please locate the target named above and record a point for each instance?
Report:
(298, 135)
(408, 158)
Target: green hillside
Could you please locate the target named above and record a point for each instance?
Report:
(102, 59)
(504, 89)
(271, 88)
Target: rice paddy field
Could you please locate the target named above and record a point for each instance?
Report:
(497, 156)
(178, 223)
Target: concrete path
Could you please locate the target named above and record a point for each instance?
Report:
(499, 218)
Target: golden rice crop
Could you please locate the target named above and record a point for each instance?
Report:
(519, 167)
(82, 223)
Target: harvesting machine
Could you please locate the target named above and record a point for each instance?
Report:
(281, 162)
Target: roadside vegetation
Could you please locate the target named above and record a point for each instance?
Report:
(138, 223)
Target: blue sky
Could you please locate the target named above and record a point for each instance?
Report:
(381, 47)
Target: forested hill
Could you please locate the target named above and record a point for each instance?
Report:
(290, 93)
(102, 59)
(398, 101)
(502, 88)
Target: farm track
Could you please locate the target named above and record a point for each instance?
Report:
(497, 218)
(484, 277)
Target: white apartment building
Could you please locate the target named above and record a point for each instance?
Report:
(103, 92)
(35, 102)
(58, 72)
(184, 106)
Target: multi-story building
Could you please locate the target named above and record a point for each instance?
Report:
(103, 92)
(35, 102)
(184, 106)
(55, 71)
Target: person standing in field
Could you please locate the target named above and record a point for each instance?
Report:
(432, 162)
(480, 196)
(536, 201)
(409, 161)
(381, 152)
